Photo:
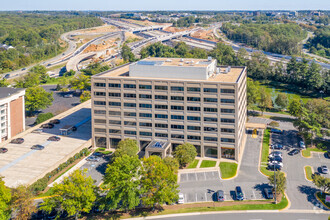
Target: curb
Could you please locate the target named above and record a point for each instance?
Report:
(289, 203)
(306, 156)
(260, 152)
(233, 177)
(325, 206)
(306, 172)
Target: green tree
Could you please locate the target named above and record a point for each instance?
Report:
(85, 96)
(37, 98)
(5, 200)
(29, 80)
(122, 178)
(282, 100)
(158, 182)
(172, 163)
(80, 82)
(22, 202)
(127, 147)
(280, 182)
(253, 92)
(41, 71)
(4, 83)
(127, 54)
(321, 182)
(185, 153)
(265, 100)
(75, 194)
(295, 108)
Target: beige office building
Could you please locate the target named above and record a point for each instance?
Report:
(172, 100)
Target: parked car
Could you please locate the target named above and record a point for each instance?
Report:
(97, 154)
(276, 131)
(68, 96)
(220, 196)
(271, 156)
(276, 158)
(181, 198)
(239, 193)
(324, 169)
(3, 150)
(17, 141)
(274, 167)
(54, 138)
(93, 159)
(37, 147)
(37, 131)
(268, 193)
(277, 146)
(276, 153)
(272, 163)
(55, 121)
(302, 144)
(47, 125)
(293, 152)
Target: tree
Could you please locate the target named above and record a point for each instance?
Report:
(127, 147)
(75, 194)
(265, 100)
(280, 182)
(86, 95)
(253, 92)
(127, 54)
(41, 71)
(295, 108)
(22, 202)
(172, 163)
(5, 200)
(122, 178)
(4, 83)
(29, 80)
(282, 100)
(80, 82)
(37, 98)
(321, 182)
(158, 182)
(185, 153)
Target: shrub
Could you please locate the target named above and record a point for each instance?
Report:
(44, 117)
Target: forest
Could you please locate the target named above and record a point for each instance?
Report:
(320, 43)
(275, 38)
(35, 37)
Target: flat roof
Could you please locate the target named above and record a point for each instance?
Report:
(164, 61)
(7, 92)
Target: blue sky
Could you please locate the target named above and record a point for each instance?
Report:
(165, 5)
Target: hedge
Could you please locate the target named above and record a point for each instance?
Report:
(44, 117)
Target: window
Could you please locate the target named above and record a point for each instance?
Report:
(226, 91)
(175, 107)
(210, 139)
(113, 94)
(161, 87)
(99, 84)
(145, 86)
(114, 113)
(143, 105)
(114, 131)
(177, 136)
(210, 119)
(130, 132)
(228, 130)
(129, 86)
(192, 108)
(99, 121)
(226, 110)
(227, 101)
(212, 129)
(114, 85)
(145, 124)
(192, 137)
(145, 115)
(210, 100)
(99, 93)
(161, 135)
(193, 89)
(177, 88)
(144, 133)
(100, 112)
(210, 110)
(130, 114)
(130, 105)
(211, 90)
(132, 123)
(130, 95)
(227, 120)
(160, 116)
(114, 122)
(177, 98)
(193, 99)
(99, 130)
(161, 106)
(177, 117)
(161, 97)
(145, 96)
(228, 140)
(99, 103)
(177, 127)
(193, 118)
(157, 125)
(194, 128)
(114, 103)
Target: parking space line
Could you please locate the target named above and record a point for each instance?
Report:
(204, 176)
(205, 197)
(254, 195)
(196, 176)
(196, 198)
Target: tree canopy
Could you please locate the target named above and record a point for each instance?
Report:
(37, 98)
(5, 201)
(185, 153)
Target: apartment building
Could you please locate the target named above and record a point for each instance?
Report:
(12, 112)
(172, 100)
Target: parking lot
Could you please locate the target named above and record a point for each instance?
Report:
(21, 165)
(96, 170)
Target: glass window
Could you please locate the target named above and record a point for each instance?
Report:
(145, 86)
(228, 130)
(114, 113)
(227, 101)
(194, 128)
(129, 86)
(115, 103)
(175, 107)
(144, 133)
(177, 136)
(177, 98)
(130, 105)
(99, 130)
(143, 105)
(193, 99)
(193, 89)
(210, 100)
(158, 125)
(210, 119)
(100, 142)
(99, 102)
(177, 117)
(226, 91)
(211, 90)
(99, 93)
(227, 140)
(114, 122)
(129, 95)
(177, 126)
(114, 85)
(160, 116)
(145, 124)
(161, 97)
(193, 108)
(99, 121)
(228, 153)
(99, 84)
(130, 114)
(177, 88)
(161, 87)
(161, 135)
(192, 137)
(226, 110)
(99, 112)
(114, 131)
(212, 129)
(210, 139)
(130, 132)
(145, 96)
(227, 120)
(210, 110)
(193, 118)
(145, 115)
(161, 106)
(113, 94)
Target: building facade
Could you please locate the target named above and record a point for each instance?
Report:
(12, 112)
(175, 100)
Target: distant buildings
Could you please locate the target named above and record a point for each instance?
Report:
(6, 47)
(12, 112)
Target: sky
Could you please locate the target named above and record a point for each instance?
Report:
(109, 5)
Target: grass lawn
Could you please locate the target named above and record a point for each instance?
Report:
(228, 170)
(308, 172)
(322, 198)
(49, 192)
(103, 151)
(208, 163)
(307, 152)
(265, 153)
(193, 164)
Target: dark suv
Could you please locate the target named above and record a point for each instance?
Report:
(3, 150)
(55, 121)
(17, 141)
(239, 193)
(220, 196)
(48, 125)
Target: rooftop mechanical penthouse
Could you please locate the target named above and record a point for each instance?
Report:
(172, 100)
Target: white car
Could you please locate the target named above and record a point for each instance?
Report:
(275, 163)
(181, 198)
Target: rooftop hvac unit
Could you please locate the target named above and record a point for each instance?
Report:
(168, 60)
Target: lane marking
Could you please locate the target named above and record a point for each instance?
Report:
(204, 176)
(14, 162)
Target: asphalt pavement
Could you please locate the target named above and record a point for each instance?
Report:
(96, 170)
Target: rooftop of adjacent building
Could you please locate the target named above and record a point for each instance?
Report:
(221, 73)
(6, 92)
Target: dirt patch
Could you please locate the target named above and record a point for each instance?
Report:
(175, 29)
(100, 29)
(205, 35)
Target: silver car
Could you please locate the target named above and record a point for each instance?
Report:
(324, 169)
